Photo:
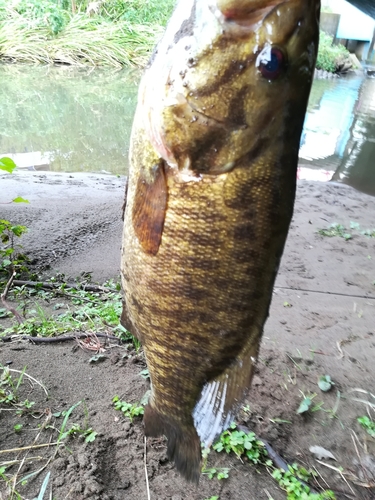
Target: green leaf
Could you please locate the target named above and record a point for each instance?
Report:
(44, 487)
(19, 199)
(90, 436)
(145, 374)
(7, 164)
(325, 383)
(304, 406)
(97, 358)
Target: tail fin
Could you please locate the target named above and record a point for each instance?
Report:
(184, 446)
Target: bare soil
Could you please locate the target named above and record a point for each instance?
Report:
(322, 321)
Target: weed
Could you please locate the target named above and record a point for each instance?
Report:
(335, 230)
(293, 480)
(218, 473)
(75, 430)
(128, 409)
(241, 443)
(290, 481)
(9, 391)
(325, 383)
(99, 311)
(213, 498)
(368, 425)
(306, 403)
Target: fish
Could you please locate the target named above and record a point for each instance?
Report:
(212, 180)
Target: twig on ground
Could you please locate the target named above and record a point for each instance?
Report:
(52, 286)
(4, 295)
(14, 462)
(145, 461)
(91, 343)
(31, 447)
(339, 471)
(47, 340)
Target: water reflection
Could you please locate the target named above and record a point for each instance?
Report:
(74, 120)
(338, 139)
(65, 119)
(357, 167)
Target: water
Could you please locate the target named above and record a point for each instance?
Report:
(74, 120)
(67, 120)
(338, 140)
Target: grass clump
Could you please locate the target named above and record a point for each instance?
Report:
(63, 308)
(112, 33)
(331, 57)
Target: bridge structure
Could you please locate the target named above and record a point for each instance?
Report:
(352, 26)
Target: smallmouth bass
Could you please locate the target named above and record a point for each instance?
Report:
(212, 181)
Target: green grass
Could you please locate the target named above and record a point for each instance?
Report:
(368, 425)
(67, 309)
(120, 34)
(50, 435)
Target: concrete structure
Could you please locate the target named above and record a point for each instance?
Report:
(355, 29)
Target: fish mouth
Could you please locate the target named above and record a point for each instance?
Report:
(243, 13)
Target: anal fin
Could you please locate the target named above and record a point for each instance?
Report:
(221, 398)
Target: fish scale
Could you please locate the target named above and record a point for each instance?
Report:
(212, 179)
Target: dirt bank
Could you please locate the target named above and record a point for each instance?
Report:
(321, 322)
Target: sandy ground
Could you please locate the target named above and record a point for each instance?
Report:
(322, 321)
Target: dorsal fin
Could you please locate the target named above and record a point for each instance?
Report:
(150, 204)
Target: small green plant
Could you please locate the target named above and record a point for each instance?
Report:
(306, 403)
(75, 429)
(325, 383)
(10, 257)
(128, 409)
(213, 498)
(340, 230)
(336, 230)
(241, 443)
(293, 482)
(218, 473)
(9, 387)
(368, 425)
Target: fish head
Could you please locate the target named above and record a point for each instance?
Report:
(229, 77)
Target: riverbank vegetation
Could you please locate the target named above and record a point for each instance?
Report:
(113, 33)
(79, 32)
(334, 58)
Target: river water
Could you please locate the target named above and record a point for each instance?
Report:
(68, 120)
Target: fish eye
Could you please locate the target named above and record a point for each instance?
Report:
(271, 62)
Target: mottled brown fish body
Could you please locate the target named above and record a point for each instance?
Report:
(210, 198)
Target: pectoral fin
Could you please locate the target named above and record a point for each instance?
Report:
(149, 208)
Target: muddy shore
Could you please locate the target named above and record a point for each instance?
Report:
(322, 321)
